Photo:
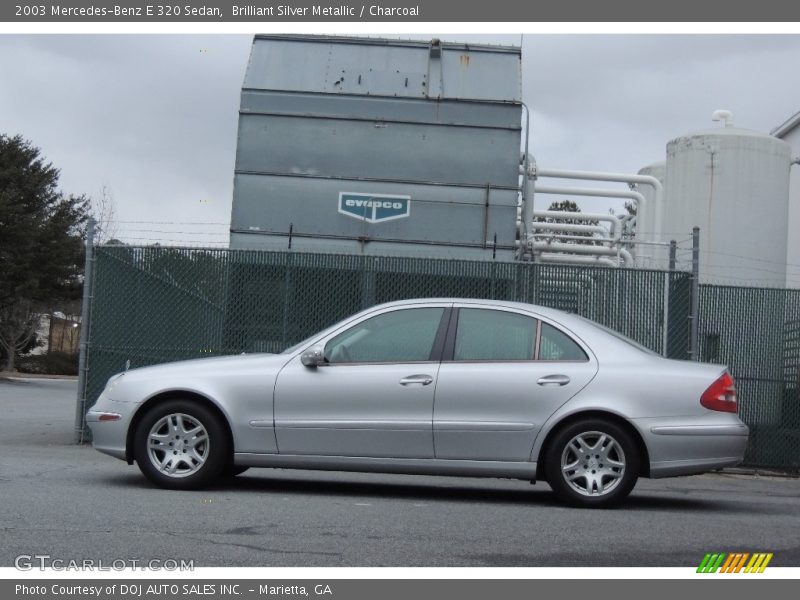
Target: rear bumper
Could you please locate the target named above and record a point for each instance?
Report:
(705, 444)
(675, 468)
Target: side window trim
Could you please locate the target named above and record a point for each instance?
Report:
(440, 341)
(538, 343)
(450, 342)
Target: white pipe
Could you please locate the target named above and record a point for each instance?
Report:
(528, 192)
(528, 168)
(583, 249)
(570, 227)
(551, 235)
(581, 216)
(600, 176)
(628, 222)
(561, 258)
(653, 182)
(637, 197)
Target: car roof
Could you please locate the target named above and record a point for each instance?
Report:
(591, 333)
(542, 310)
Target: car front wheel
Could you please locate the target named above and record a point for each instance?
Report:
(182, 445)
(592, 463)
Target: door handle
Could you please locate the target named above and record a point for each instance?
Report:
(553, 380)
(417, 380)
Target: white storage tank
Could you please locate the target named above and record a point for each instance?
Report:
(734, 185)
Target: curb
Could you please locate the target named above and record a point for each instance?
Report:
(28, 379)
(756, 472)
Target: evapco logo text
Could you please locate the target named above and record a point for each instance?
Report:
(374, 208)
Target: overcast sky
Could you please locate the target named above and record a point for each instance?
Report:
(153, 118)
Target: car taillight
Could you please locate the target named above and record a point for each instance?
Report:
(721, 395)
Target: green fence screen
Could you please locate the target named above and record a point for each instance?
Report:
(756, 332)
(155, 304)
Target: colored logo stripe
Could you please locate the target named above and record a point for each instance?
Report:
(758, 563)
(734, 562)
(711, 562)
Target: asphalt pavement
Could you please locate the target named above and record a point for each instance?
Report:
(74, 503)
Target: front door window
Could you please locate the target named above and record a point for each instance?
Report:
(399, 336)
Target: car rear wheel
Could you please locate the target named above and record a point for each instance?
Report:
(592, 463)
(182, 445)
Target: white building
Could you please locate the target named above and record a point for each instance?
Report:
(789, 131)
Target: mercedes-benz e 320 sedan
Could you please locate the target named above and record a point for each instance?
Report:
(435, 387)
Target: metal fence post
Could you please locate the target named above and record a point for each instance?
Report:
(80, 407)
(673, 246)
(694, 315)
(673, 250)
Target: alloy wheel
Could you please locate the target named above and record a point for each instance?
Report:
(178, 445)
(593, 463)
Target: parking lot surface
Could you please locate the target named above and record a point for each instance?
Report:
(74, 503)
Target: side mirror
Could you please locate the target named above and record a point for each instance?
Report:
(313, 357)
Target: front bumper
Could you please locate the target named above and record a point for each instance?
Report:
(110, 436)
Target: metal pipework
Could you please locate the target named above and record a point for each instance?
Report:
(653, 182)
(527, 169)
(598, 241)
(638, 197)
(584, 249)
(570, 228)
(628, 222)
(581, 216)
(589, 260)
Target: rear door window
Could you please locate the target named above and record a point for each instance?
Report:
(494, 335)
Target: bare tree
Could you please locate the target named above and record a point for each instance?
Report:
(18, 324)
(103, 210)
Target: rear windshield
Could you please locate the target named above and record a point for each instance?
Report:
(621, 337)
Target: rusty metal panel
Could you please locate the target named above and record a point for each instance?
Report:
(437, 126)
(374, 66)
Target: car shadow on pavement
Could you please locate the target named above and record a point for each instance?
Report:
(540, 495)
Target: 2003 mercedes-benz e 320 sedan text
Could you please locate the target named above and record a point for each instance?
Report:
(438, 387)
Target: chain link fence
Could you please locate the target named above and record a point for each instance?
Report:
(756, 332)
(155, 304)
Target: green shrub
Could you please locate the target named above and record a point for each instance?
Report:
(52, 363)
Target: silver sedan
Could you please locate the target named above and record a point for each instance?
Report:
(457, 387)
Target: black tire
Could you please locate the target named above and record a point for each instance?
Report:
(232, 470)
(597, 480)
(171, 424)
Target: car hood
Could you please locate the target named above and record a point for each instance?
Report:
(197, 374)
(205, 365)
